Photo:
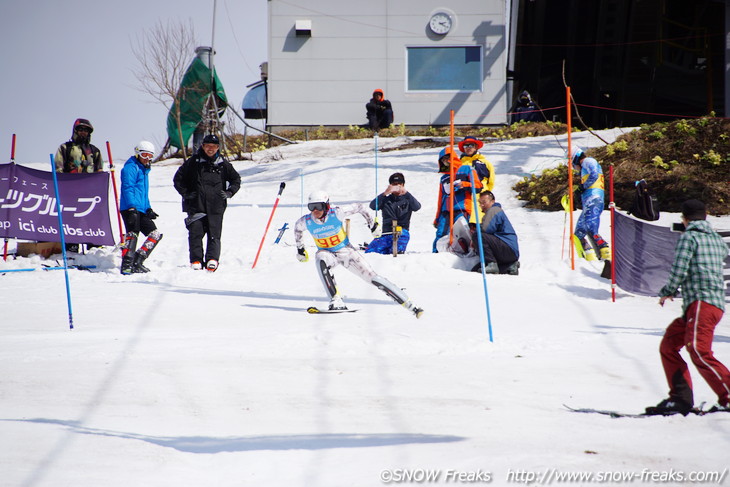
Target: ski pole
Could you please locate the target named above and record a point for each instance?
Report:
(63, 243)
(12, 160)
(481, 252)
(281, 232)
(116, 195)
(276, 203)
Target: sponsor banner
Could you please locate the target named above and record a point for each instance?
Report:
(643, 254)
(28, 206)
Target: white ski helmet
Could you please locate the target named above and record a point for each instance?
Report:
(319, 197)
(145, 147)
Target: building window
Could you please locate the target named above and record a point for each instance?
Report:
(454, 68)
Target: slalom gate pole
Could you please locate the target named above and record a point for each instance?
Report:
(301, 192)
(481, 252)
(63, 243)
(612, 206)
(376, 177)
(452, 175)
(276, 203)
(570, 173)
(12, 159)
(116, 195)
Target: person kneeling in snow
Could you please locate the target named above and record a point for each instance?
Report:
(325, 224)
(135, 209)
(499, 240)
(397, 205)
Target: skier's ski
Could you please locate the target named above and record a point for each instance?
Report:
(314, 310)
(617, 414)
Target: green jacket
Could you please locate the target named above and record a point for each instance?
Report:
(697, 266)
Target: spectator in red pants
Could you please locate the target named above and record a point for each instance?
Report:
(697, 269)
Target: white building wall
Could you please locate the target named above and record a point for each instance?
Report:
(357, 46)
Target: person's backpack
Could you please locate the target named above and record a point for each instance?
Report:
(645, 204)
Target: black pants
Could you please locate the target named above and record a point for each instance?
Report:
(495, 250)
(137, 222)
(380, 120)
(212, 226)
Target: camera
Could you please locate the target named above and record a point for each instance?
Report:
(678, 227)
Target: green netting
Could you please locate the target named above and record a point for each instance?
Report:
(193, 93)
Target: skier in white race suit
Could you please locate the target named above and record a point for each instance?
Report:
(326, 225)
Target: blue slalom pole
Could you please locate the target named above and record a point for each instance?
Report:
(301, 191)
(376, 177)
(481, 251)
(63, 243)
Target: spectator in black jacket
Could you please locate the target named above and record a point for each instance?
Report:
(380, 111)
(397, 204)
(206, 181)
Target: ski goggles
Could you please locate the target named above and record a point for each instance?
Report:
(319, 206)
(146, 155)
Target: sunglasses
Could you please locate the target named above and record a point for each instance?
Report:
(317, 206)
(469, 145)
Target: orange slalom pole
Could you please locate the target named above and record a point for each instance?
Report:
(276, 203)
(116, 195)
(570, 174)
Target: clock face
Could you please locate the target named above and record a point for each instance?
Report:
(440, 23)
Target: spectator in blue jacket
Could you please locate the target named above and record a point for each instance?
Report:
(396, 204)
(136, 211)
(499, 240)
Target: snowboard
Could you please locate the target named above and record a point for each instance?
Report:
(313, 310)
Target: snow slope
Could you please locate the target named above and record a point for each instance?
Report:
(185, 378)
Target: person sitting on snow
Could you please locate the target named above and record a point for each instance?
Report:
(463, 205)
(499, 240)
(325, 224)
(397, 204)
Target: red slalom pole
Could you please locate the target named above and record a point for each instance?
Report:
(12, 159)
(276, 203)
(116, 195)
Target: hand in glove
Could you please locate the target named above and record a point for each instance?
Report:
(375, 230)
(151, 214)
(302, 254)
(226, 194)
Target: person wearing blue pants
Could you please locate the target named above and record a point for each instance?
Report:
(591, 189)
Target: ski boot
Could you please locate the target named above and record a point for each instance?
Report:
(196, 266)
(137, 267)
(514, 269)
(212, 265)
(336, 303)
(589, 254)
(127, 264)
(605, 253)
